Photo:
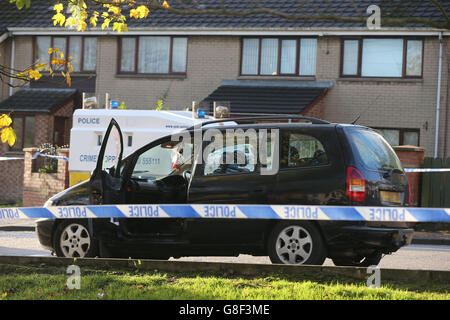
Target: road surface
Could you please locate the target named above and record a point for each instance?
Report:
(425, 257)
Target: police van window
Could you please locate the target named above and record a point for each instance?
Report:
(161, 161)
(299, 150)
(232, 158)
(99, 140)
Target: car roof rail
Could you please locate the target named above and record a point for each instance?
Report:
(276, 117)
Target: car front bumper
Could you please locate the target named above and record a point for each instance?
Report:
(44, 230)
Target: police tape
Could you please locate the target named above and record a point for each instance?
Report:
(208, 211)
(37, 154)
(11, 158)
(49, 156)
(427, 170)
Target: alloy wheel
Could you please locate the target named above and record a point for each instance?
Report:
(294, 245)
(75, 241)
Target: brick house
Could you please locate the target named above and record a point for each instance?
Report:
(39, 116)
(335, 70)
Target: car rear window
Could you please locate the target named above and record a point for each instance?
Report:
(372, 149)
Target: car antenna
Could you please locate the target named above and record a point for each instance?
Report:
(361, 113)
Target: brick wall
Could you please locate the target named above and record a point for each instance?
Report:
(11, 177)
(39, 187)
(412, 157)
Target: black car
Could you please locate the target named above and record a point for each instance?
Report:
(313, 163)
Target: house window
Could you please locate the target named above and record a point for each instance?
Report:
(83, 50)
(380, 57)
(24, 128)
(153, 55)
(400, 137)
(279, 56)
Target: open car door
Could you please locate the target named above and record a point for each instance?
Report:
(105, 185)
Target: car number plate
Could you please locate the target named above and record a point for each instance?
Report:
(389, 196)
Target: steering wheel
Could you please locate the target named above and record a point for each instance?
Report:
(187, 175)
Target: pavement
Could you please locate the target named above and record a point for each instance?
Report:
(424, 238)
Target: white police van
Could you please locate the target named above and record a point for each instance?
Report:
(139, 127)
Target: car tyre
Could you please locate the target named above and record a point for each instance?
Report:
(72, 239)
(296, 243)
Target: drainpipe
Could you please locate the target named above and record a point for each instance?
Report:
(13, 53)
(438, 101)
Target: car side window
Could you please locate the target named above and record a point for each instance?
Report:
(300, 150)
(231, 158)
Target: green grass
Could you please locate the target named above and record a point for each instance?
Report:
(44, 282)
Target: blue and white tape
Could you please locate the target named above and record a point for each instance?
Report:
(207, 211)
(49, 156)
(11, 158)
(423, 170)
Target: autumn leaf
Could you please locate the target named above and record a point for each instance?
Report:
(134, 14)
(5, 120)
(143, 11)
(115, 10)
(58, 7)
(59, 18)
(165, 4)
(93, 20)
(34, 74)
(8, 135)
(105, 23)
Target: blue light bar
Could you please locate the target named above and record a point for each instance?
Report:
(201, 113)
(114, 104)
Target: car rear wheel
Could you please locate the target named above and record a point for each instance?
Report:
(73, 240)
(296, 243)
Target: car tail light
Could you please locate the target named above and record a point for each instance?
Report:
(356, 185)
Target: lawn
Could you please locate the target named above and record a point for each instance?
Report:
(45, 282)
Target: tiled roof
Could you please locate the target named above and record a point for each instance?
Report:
(40, 13)
(36, 100)
(266, 97)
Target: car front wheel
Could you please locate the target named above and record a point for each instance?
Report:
(73, 240)
(296, 243)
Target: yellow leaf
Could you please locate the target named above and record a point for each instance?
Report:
(93, 21)
(82, 26)
(134, 14)
(5, 120)
(58, 7)
(34, 74)
(106, 23)
(50, 50)
(143, 11)
(115, 10)
(165, 4)
(58, 18)
(8, 135)
(120, 27)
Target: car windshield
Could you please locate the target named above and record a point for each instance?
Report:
(373, 150)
